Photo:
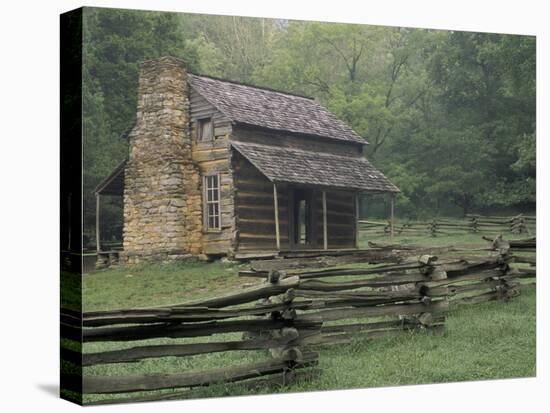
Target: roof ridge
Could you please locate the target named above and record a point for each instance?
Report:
(235, 82)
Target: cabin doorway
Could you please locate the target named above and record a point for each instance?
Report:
(301, 218)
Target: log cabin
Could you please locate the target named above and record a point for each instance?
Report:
(222, 168)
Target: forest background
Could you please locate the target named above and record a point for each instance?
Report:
(449, 116)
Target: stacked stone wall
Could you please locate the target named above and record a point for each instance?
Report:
(162, 194)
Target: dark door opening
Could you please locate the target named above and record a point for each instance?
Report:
(302, 218)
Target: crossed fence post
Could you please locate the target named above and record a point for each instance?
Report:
(290, 335)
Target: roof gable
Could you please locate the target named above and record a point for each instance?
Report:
(272, 109)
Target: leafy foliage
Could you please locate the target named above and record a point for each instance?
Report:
(115, 43)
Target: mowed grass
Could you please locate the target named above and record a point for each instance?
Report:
(157, 284)
(464, 239)
(163, 284)
(490, 341)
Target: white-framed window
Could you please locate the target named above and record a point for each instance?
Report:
(212, 204)
(205, 130)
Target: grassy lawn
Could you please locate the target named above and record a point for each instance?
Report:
(493, 340)
(488, 341)
(466, 239)
(157, 284)
(163, 284)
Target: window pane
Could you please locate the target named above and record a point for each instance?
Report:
(212, 202)
(208, 130)
(205, 130)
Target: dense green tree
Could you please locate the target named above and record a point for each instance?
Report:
(115, 43)
(231, 47)
(486, 86)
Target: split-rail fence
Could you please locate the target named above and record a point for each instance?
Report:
(300, 305)
(518, 224)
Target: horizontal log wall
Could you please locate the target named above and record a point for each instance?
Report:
(287, 140)
(341, 219)
(256, 190)
(200, 108)
(213, 157)
(255, 210)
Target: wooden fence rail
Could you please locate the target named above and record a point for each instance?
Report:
(518, 224)
(294, 311)
(464, 276)
(264, 326)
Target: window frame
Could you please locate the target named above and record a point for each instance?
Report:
(200, 129)
(207, 203)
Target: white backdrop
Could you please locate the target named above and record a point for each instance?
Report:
(29, 150)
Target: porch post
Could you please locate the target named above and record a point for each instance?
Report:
(356, 220)
(392, 223)
(276, 205)
(325, 238)
(97, 235)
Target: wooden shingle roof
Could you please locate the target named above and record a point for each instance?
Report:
(113, 184)
(272, 109)
(314, 168)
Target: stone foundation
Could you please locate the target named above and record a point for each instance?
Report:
(162, 195)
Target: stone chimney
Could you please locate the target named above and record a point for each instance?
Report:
(162, 198)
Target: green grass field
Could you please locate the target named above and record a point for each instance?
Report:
(465, 239)
(489, 341)
(157, 284)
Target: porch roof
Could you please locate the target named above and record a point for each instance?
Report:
(114, 183)
(299, 166)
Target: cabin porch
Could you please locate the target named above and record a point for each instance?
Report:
(305, 220)
(285, 203)
(108, 248)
